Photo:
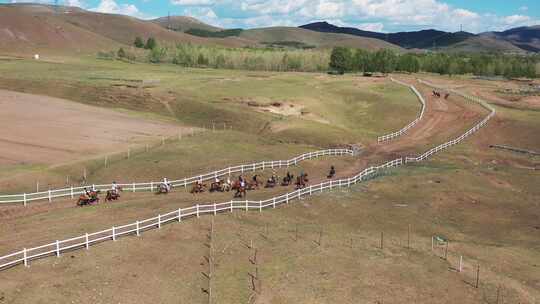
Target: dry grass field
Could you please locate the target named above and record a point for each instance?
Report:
(321, 249)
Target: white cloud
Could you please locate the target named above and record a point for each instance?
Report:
(369, 14)
(111, 7)
(373, 27)
(524, 8)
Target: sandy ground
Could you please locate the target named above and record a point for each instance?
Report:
(38, 129)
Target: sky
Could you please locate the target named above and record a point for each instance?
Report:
(376, 15)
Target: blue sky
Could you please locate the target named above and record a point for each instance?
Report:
(378, 15)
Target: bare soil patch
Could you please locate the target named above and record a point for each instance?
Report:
(37, 129)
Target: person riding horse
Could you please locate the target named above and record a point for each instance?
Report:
(332, 172)
(114, 193)
(164, 187)
(272, 181)
(88, 197)
(217, 185)
(287, 180)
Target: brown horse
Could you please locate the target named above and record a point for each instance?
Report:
(113, 195)
(88, 199)
(301, 181)
(240, 191)
(198, 188)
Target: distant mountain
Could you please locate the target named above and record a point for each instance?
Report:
(184, 24)
(513, 40)
(293, 35)
(419, 39)
(527, 37)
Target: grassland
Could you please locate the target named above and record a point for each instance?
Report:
(484, 201)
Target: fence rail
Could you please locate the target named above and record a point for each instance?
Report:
(71, 192)
(459, 139)
(396, 134)
(85, 241)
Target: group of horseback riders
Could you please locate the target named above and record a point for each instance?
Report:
(241, 186)
(91, 196)
(438, 95)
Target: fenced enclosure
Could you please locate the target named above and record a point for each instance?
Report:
(85, 241)
(396, 134)
(152, 186)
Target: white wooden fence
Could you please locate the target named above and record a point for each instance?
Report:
(56, 248)
(85, 241)
(457, 140)
(396, 134)
(151, 186)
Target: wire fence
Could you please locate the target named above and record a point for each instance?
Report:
(71, 192)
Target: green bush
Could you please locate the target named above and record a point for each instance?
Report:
(138, 43)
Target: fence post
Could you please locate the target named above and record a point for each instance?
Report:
(260, 206)
(57, 249)
(25, 257)
(159, 221)
(137, 229)
(246, 205)
(113, 234)
(231, 206)
(71, 192)
(24, 199)
(151, 186)
(197, 210)
(215, 211)
(50, 198)
(286, 198)
(460, 263)
(133, 187)
(86, 241)
(179, 214)
(274, 202)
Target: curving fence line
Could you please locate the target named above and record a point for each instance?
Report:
(85, 241)
(392, 136)
(466, 134)
(151, 186)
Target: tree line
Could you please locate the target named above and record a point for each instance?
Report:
(385, 61)
(339, 59)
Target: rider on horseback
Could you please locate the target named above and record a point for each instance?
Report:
(114, 188)
(332, 172)
(166, 184)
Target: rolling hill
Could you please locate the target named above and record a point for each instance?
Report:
(184, 23)
(288, 35)
(36, 28)
(527, 37)
(514, 40)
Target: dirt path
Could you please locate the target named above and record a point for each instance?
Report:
(41, 130)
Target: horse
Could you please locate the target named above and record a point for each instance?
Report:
(198, 188)
(287, 180)
(240, 191)
(217, 186)
(301, 181)
(113, 195)
(271, 182)
(332, 172)
(88, 199)
(162, 189)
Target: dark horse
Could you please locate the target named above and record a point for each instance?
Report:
(113, 195)
(241, 191)
(301, 181)
(287, 180)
